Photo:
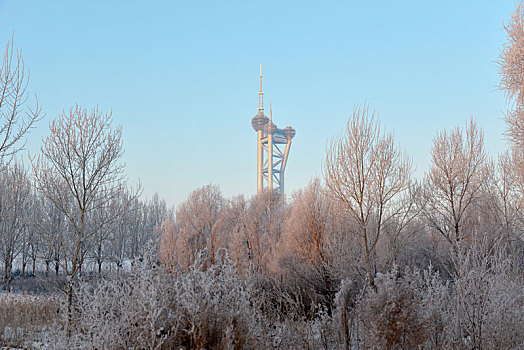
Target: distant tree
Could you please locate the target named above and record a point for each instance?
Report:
(15, 118)
(195, 228)
(14, 214)
(234, 226)
(459, 172)
(307, 239)
(79, 171)
(100, 252)
(168, 244)
(133, 233)
(306, 229)
(31, 246)
(319, 251)
(368, 175)
(143, 221)
(49, 226)
(264, 223)
(113, 249)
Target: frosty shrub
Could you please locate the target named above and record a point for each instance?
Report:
(487, 305)
(403, 312)
(215, 308)
(150, 308)
(128, 311)
(289, 319)
(344, 325)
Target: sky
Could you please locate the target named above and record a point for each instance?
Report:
(181, 77)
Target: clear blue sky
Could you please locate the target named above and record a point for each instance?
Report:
(181, 77)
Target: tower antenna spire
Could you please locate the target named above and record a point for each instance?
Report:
(260, 93)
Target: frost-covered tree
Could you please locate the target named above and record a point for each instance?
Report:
(511, 70)
(15, 118)
(306, 230)
(306, 248)
(264, 222)
(506, 206)
(195, 228)
(458, 175)
(368, 175)
(234, 223)
(79, 171)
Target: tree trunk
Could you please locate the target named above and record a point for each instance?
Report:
(6, 264)
(99, 257)
(371, 277)
(69, 306)
(9, 275)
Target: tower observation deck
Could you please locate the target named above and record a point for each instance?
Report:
(271, 159)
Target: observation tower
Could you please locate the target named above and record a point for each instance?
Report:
(271, 160)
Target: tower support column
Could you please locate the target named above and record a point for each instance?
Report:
(270, 160)
(260, 163)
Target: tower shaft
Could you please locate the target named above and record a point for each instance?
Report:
(270, 161)
(260, 163)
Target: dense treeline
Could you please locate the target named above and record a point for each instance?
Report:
(366, 257)
(36, 238)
